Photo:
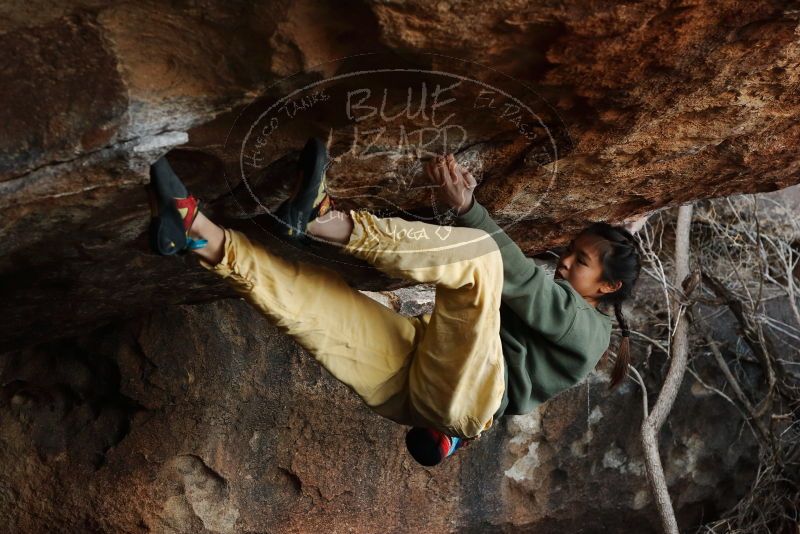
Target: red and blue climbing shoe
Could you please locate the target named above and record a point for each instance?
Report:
(172, 210)
(430, 447)
(309, 198)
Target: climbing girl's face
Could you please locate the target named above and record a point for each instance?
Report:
(581, 265)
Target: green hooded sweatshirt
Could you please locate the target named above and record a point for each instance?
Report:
(551, 336)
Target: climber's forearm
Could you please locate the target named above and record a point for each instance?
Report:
(514, 260)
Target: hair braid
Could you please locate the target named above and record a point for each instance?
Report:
(623, 324)
(624, 351)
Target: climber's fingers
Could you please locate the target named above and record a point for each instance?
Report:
(436, 170)
(456, 172)
(470, 180)
(452, 168)
(445, 172)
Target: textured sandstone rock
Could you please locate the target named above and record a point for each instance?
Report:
(206, 418)
(203, 418)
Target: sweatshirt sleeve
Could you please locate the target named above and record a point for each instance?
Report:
(539, 301)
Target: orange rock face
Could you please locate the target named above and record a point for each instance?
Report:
(566, 112)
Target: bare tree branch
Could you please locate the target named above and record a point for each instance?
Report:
(764, 435)
(678, 358)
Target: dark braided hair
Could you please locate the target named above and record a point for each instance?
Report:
(619, 255)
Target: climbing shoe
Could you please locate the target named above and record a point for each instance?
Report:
(430, 447)
(309, 198)
(172, 210)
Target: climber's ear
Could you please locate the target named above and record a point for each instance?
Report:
(608, 287)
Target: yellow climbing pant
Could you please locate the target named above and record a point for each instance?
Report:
(442, 370)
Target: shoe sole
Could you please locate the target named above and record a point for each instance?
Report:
(167, 236)
(296, 211)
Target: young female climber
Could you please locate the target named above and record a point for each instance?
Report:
(502, 336)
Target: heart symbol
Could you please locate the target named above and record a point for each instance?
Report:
(441, 230)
